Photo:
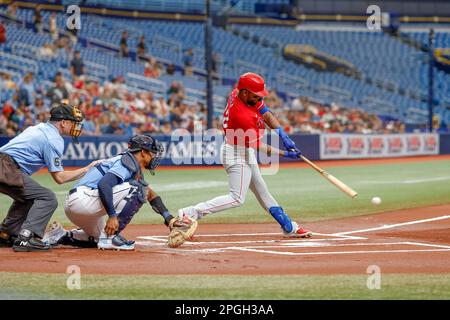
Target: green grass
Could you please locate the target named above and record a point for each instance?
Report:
(53, 286)
(303, 193)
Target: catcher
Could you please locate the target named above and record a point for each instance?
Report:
(116, 188)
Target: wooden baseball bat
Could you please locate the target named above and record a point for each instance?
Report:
(338, 183)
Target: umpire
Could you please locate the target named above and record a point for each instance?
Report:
(37, 147)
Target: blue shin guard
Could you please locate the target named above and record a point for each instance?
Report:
(129, 210)
(282, 218)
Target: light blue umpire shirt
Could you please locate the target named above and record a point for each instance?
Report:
(37, 147)
(113, 165)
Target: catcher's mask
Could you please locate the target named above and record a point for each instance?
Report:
(148, 143)
(65, 111)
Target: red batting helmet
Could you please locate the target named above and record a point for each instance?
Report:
(253, 83)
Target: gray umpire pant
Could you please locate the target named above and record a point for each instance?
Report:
(32, 208)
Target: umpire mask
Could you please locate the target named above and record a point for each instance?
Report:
(66, 111)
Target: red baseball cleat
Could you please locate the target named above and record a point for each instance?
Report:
(297, 232)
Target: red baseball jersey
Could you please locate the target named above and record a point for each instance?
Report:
(242, 124)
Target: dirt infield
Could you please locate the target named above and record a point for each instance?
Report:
(407, 241)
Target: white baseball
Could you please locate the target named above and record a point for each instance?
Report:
(376, 201)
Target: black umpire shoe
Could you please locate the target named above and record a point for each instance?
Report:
(26, 242)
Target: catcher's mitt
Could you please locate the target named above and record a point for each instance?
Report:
(180, 231)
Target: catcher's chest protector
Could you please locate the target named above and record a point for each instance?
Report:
(137, 178)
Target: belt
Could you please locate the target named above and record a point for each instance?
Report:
(75, 190)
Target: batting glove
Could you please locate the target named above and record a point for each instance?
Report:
(293, 154)
(287, 142)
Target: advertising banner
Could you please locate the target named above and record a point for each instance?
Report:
(349, 146)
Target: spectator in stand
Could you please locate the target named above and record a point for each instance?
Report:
(148, 71)
(39, 107)
(59, 91)
(119, 88)
(272, 100)
(3, 124)
(77, 67)
(141, 50)
(27, 90)
(138, 116)
(176, 89)
(2, 33)
(11, 11)
(188, 60)
(217, 125)
(63, 46)
(18, 117)
(37, 20)
(151, 69)
(6, 82)
(93, 88)
(95, 110)
(176, 117)
(73, 36)
(8, 109)
(126, 127)
(90, 127)
(11, 129)
(53, 26)
(124, 45)
(113, 128)
(47, 51)
(150, 126)
(297, 104)
(166, 128)
(170, 70)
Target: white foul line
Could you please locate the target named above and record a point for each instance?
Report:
(390, 226)
(338, 252)
(427, 245)
(282, 242)
(341, 237)
(322, 245)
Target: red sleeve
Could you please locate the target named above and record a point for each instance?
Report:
(260, 106)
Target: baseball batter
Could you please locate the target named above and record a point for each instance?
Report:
(114, 188)
(244, 123)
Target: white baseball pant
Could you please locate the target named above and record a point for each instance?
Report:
(85, 209)
(243, 173)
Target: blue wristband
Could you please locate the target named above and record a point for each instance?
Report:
(264, 110)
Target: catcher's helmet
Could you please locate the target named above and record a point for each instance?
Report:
(148, 143)
(253, 83)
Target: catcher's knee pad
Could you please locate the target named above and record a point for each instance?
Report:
(131, 207)
(282, 218)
